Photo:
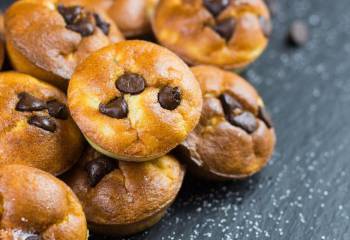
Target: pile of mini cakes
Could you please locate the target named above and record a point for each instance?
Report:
(123, 119)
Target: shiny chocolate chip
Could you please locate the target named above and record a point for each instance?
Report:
(131, 83)
(117, 108)
(70, 14)
(245, 120)
(215, 7)
(98, 168)
(33, 237)
(169, 97)
(265, 117)
(225, 28)
(298, 33)
(83, 26)
(104, 26)
(57, 110)
(29, 103)
(229, 103)
(43, 122)
(266, 26)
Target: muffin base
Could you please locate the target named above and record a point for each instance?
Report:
(127, 229)
(121, 157)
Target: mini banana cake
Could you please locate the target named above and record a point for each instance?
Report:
(35, 125)
(235, 137)
(48, 39)
(134, 100)
(35, 205)
(229, 34)
(123, 198)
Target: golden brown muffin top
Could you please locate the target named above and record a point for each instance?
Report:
(226, 33)
(135, 99)
(34, 203)
(131, 16)
(35, 126)
(56, 35)
(234, 137)
(114, 192)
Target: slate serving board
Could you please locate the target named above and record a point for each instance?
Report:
(304, 193)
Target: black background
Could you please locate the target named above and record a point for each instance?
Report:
(304, 193)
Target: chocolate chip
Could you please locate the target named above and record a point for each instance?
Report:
(169, 97)
(182, 152)
(43, 122)
(298, 33)
(265, 117)
(28, 103)
(225, 28)
(229, 103)
(117, 108)
(83, 26)
(131, 83)
(245, 120)
(98, 168)
(215, 7)
(70, 14)
(266, 26)
(57, 110)
(33, 237)
(104, 26)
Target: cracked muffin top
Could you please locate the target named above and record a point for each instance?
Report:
(226, 33)
(56, 35)
(134, 100)
(35, 205)
(235, 137)
(117, 193)
(35, 126)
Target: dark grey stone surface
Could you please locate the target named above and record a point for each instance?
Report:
(304, 193)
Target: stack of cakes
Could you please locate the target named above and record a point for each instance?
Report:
(124, 118)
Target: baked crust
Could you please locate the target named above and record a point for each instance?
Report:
(185, 27)
(129, 199)
(217, 149)
(149, 131)
(131, 16)
(35, 202)
(22, 143)
(37, 33)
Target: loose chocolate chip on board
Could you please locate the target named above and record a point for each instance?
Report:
(246, 121)
(57, 110)
(229, 103)
(98, 168)
(117, 108)
(131, 83)
(265, 117)
(70, 14)
(43, 122)
(225, 28)
(266, 26)
(84, 26)
(169, 97)
(298, 33)
(215, 7)
(104, 26)
(29, 103)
